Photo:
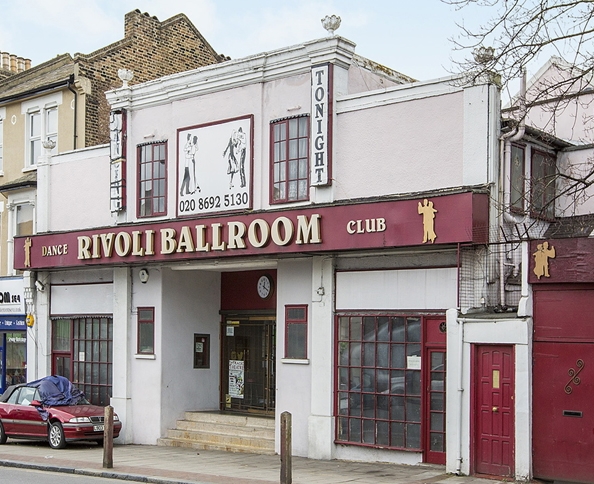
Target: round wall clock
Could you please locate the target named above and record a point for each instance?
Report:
(265, 287)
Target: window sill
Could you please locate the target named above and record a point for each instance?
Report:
(294, 361)
(145, 357)
(29, 168)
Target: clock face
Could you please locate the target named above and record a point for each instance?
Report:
(264, 287)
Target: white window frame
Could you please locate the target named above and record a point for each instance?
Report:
(19, 199)
(43, 107)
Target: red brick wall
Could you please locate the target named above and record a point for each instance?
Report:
(151, 49)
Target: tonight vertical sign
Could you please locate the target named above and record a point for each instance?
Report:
(321, 119)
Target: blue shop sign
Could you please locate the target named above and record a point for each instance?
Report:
(13, 323)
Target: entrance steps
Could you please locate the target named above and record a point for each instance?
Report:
(222, 431)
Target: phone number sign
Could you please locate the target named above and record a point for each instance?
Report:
(214, 167)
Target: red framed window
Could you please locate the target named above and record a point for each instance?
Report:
(82, 351)
(379, 381)
(543, 178)
(290, 159)
(296, 332)
(152, 179)
(146, 331)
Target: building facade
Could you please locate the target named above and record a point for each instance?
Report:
(60, 105)
(284, 232)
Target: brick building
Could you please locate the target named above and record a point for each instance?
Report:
(60, 106)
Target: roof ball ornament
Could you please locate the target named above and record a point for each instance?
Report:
(331, 23)
(125, 76)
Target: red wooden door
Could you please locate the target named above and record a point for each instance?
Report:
(494, 411)
(563, 416)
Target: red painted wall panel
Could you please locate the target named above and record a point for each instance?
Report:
(564, 313)
(238, 291)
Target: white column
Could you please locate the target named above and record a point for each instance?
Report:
(321, 422)
(121, 363)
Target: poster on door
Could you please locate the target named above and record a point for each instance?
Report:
(236, 380)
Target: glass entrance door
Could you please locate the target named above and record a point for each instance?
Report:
(248, 368)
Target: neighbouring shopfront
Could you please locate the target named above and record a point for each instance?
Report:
(561, 273)
(13, 332)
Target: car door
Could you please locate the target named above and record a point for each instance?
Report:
(28, 418)
(9, 413)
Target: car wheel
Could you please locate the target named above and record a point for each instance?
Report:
(3, 437)
(56, 436)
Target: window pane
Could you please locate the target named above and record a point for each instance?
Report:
(35, 124)
(24, 219)
(293, 128)
(52, 121)
(145, 338)
(517, 177)
(296, 340)
(413, 326)
(61, 335)
(413, 436)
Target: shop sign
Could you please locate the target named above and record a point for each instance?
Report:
(321, 122)
(12, 300)
(13, 323)
(449, 219)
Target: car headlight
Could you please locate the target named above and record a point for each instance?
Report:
(80, 419)
(116, 418)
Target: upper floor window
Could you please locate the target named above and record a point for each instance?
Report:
(543, 180)
(42, 125)
(152, 179)
(517, 178)
(24, 219)
(290, 159)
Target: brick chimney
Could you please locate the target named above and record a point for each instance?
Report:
(12, 63)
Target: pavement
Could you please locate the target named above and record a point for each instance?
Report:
(171, 465)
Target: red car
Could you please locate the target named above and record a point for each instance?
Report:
(51, 409)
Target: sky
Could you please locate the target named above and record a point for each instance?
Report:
(409, 36)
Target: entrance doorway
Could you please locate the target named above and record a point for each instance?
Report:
(494, 411)
(248, 364)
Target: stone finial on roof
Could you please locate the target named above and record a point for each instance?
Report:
(125, 76)
(331, 23)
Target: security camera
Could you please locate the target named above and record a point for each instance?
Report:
(40, 286)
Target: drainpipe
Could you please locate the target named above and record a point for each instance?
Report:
(73, 91)
(460, 393)
(505, 142)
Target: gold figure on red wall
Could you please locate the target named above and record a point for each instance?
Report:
(27, 247)
(541, 259)
(428, 213)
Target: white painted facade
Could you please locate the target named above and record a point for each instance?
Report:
(396, 142)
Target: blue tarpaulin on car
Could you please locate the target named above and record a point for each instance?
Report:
(55, 390)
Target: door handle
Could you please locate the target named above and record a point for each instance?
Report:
(495, 409)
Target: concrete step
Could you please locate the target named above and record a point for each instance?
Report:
(192, 444)
(218, 438)
(230, 419)
(214, 427)
(219, 431)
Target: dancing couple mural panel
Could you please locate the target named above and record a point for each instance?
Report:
(215, 167)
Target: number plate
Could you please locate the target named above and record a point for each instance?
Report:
(98, 428)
